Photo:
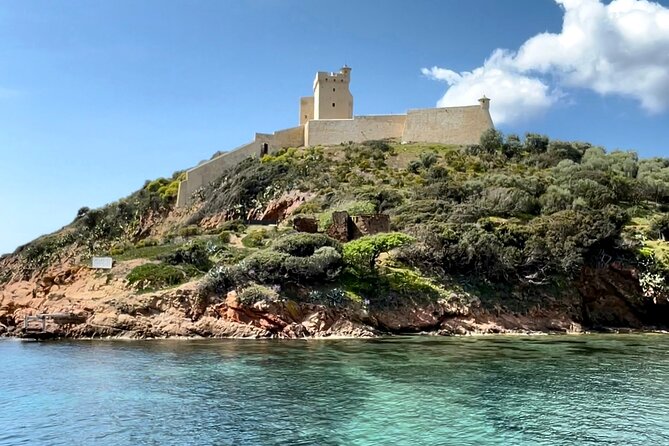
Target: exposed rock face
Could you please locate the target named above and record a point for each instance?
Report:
(612, 297)
(102, 305)
(278, 209)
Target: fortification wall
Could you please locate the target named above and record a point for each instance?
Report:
(358, 129)
(208, 171)
(452, 125)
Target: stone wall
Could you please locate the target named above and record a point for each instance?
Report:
(208, 171)
(358, 129)
(452, 125)
(369, 224)
(345, 228)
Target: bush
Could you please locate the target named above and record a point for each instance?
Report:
(195, 254)
(491, 141)
(255, 238)
(535, 143)
(146, 242)
(156, 276)
(220, 279)
(224, 237)
(265, 266)
(119, 248)
(303, 244)
(379, 145)
(555, 199)
(257, 293)
(413, 166)
(237, 226)
(507, 202)
(361, 254)
(428, 159)
(190, 231)
(325, 264)
(512, 147)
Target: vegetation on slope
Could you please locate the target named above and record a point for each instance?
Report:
(509, 211)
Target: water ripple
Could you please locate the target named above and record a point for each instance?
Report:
(547, 390)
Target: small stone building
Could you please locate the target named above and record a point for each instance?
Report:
(345, 227)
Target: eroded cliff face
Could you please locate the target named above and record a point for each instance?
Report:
(104, 305)
(613, 298)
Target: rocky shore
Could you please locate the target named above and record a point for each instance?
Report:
(104, 307)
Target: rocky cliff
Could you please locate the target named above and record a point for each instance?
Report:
(507, 236)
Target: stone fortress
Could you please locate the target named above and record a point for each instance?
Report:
(326, 118)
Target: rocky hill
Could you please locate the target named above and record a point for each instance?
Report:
(511, 235)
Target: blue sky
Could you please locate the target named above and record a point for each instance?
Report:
(98, 96)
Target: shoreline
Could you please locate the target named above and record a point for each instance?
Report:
(533, 334)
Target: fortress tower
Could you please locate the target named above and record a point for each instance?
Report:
(332, 98)
(326, 119)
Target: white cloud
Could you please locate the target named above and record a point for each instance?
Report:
(515, 96)
(620, 48)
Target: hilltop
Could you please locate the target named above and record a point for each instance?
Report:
(510, 235)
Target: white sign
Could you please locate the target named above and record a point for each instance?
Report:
(102, 262)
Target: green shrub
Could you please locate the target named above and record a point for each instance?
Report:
(119, 248)
(257, 293)
(325, 264)
(535, 143)
(361, 254)
(194, 253)
(324, 221)
(303, 244)
(146, 242)
(555, 199)
(361, 208)
(427, 159)
(266, 266)
(491, 141)
(155, 185)
(255, 238)
(237, 226)
(414, 166)
(190, 231)
(219, 280)
(224, 237)
(507, 202)
(153, 276)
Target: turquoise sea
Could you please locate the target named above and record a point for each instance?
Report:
(541, 390)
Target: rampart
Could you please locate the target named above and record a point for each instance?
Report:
(326, 118)
(208, 171)
(358, 129)
(451, 125)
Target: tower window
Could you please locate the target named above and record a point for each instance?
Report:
(333, 89)
(333, 104)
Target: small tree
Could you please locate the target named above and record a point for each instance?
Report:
(362, 254)
(428, 159)
(512, 147)
(491, 140)
(535, 143)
